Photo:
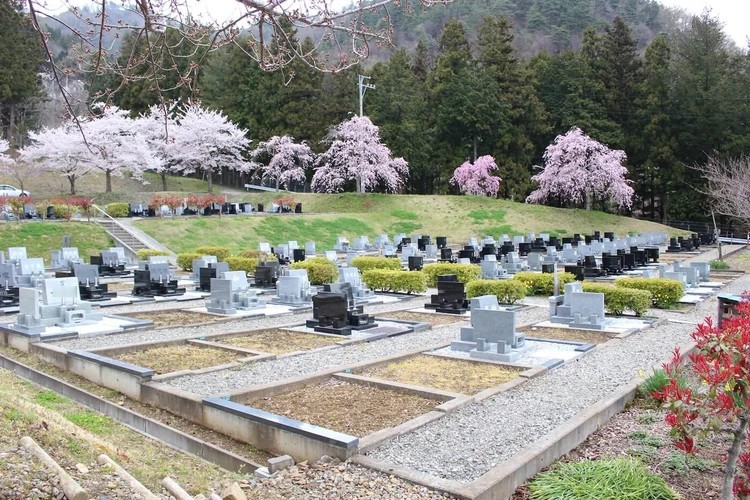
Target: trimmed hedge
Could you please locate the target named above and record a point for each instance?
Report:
(257, 254)
(221, 253)
(320, 270)
(368, 263)
(665, 292)
(185, 260)
(619, 299)
(385, 280)
(507, 291)
(464, 272)
(148, 252)
(118, 209)
(242, 264)
(543, 283)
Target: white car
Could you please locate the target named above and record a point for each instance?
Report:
(6, 190)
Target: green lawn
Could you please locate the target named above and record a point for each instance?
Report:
(352, 215)
(40, 238)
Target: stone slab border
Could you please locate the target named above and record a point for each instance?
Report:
(500, 482)
(144, 425)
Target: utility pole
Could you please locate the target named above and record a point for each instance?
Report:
(362, 89)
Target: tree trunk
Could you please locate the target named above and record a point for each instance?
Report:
(12, 125)
(163, 181)
(277, 184)
(359, 184)
(475, 149)
(210, 183)
(108, 176)
(72, 181)
(732, 455)
(588, 200)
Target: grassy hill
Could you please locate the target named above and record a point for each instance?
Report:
(352, 215)
(40, 238)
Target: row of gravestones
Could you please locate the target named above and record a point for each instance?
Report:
(142, 210)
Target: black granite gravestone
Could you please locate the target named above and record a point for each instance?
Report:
(451, 296)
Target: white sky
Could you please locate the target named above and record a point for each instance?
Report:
(735, 14)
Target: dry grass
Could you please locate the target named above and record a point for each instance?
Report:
(175, 317)
(454, 375)
(739, 261)
(431, 319)
(27, 409)
(353, 409)
(175, 358)
(279, 341)
(570, 334)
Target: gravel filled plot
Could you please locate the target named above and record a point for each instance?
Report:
(453, 375)
(279, 341)
(431, 319)
(353, 409)
(182, 357)
(466, 444)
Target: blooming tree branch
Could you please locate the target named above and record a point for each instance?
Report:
(356, 153)
(475, 178)
(577, 167)
(286, 161)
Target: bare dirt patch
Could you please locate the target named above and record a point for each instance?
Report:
(173, 317)
(641, 432)
(353, 409)
(739, 261)
(119, 287)
(279, 341)
(454, 375)
(569, 334)
(181, 357)
(431, 319)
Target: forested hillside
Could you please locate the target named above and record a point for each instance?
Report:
(465, 84)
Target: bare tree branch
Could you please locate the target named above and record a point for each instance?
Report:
(728, 185)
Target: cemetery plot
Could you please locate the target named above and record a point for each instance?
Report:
(567, 334)
(179, 357)
(353, 409)
(172, 317)
(439, 372)
(279, 341)
(433, 319)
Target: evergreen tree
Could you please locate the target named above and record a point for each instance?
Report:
(20, 63)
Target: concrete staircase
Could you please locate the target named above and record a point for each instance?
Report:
(122, 236)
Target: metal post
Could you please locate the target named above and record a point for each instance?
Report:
(362, 89)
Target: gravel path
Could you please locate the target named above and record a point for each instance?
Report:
(224, 381)
(466, 444)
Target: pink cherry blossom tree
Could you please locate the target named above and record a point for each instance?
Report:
(158, 124)
(286, 161)
(356, 153)
(206, 141)
(60, 150)
(475, 178)
(577, 167)
(117, 144)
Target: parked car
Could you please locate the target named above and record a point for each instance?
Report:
(6, 190)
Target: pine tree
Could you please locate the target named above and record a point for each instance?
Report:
(20, 64)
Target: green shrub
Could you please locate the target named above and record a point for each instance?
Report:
(320, 270)
(221, 253)
(62, 211)
(543, 283)
(257, 254)
(596, 479)
(617, 300)
(665, 292)
(395, 281)
(507, 291)
(118, 209)
(719, 264)
(367, 263)
(655, 383)
(242, 264)
(150, 252)
(464, 272)
(185, 260)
